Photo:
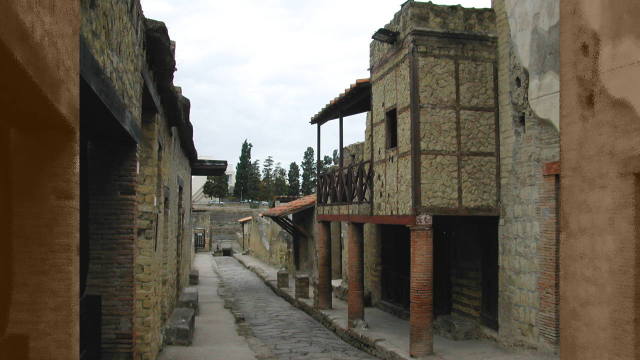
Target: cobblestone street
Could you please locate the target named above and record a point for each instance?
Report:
(288, 332)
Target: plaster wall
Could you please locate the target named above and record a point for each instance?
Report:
(528, 140)
(43, 38)
(535, 33)
(38, 260)
(600, 185)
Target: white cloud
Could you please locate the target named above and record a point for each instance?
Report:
(260, 69)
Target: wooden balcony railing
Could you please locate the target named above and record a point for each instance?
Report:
(347, 185)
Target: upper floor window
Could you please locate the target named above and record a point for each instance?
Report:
(391, 121)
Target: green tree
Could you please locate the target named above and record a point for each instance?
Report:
(267, 179)
(280, 186)
(308, 172)
(336, 157)
(243, 170)
(254, 184)
(216, 186)
(294, 180)
(325, 163)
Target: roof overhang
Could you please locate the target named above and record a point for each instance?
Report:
(280, 213)
(354, 100)
(245, 219)
(208, 167)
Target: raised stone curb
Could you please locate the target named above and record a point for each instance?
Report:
(179, 329)
(194, 277)
(189, 299)
(362, 342)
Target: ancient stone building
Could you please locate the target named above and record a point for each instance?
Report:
(136, 161)
(452, 212)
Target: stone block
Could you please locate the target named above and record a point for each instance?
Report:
(302, 286)
(194, 277)
(283, 278)
(180, 326)
(189, 298)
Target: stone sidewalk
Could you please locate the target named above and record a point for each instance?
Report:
(216, 335)
(387, 336)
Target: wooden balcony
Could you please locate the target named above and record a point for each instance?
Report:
(346, 185)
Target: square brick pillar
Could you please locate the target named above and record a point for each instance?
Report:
(355, 296)
(323, 249)
(421, 293)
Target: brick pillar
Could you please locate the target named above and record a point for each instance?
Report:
(421, 293)
(323, 248)
(355, 298)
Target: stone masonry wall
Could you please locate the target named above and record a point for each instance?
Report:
(527, 141)
(164, 242)
(457, 118)
(268, 242)
(458, 139)
(114, 29)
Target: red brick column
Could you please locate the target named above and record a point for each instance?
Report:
(421, 293)
(355, 296)
(323, 249)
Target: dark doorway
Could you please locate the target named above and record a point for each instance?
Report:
(199, 240)
(396, 259)
(466, 267)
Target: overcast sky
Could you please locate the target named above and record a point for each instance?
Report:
(260, 69)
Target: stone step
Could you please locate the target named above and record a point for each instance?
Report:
(180, 326)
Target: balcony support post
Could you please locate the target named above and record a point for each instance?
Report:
(341, 144)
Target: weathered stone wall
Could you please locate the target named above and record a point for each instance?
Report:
(155, 255)
(114, 30)
(268, 242)
(392, 167)
(457, 111)
(164, 242)
(221, 223)
(528, 140)
(308, 256)
(458, 115)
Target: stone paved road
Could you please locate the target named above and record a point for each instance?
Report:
(286, 330)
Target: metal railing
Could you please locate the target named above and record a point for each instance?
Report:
(346, 185)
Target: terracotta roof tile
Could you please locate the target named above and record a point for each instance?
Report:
(295, 206)
(348, 101)
(245, 219)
